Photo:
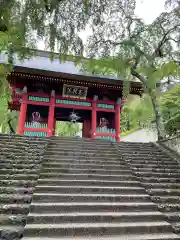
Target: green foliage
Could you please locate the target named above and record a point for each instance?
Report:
(56, 22)
(170, 108)
(137, 113)
(6, 115)
(67, 128)
(3, 110)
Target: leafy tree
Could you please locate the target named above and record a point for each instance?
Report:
(135, 50)
(170, 108)
(56, 22)
(137, 113)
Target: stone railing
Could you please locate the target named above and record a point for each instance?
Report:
(172, 143)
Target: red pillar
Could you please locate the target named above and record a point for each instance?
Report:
(54, 128)
(93, 119)
(117, 122)
(22, 113)
(51, 115)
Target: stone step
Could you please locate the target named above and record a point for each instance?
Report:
(142, 153)
(72, 144)
(82, 156)
(18, 171)
(88, 189)
(159, 179)
(157, 170)
(19, 147)
(161, 185)
(21, 143)
(14, 208)
(137, 150)
(151, 161)
(22, 161)
(85, 165)
(75, 140)
(18, 151)
(154, 166)
(166, 199)
(11, 232)
(18, 166)
(167, 191)
(21, 157)
(136, 145)
(13, 220)
(86, 170)
(151, 236)
(61, 197)
(91, 161)
(37, 207)
(146, 156)
(71, 157)
(159, 175)
(24, 139)
(176, 227)
(88, 182)
(22, 183)
(173, 216)
(15, 190)
(95, 229)
(64, 150)
(16, 176)
(85, 176)
(169, 207)
(15, 198)
(81, 147)
(91, 217)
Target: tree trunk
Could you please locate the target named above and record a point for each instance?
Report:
(157, 116)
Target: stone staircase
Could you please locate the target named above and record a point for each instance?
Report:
(159, 174)
(87, 190)
(20, 161)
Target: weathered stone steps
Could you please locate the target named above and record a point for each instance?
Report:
(18, 176)
(161, 178)
(120, 237)
(85, 170)
(84, 176)
(90, 229)
(88, 182)
(111, 217)
(78, 164)
(15, 198)
(93, 197)
(91, 193)
(87, 189)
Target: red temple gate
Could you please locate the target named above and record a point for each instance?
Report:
(42, 97)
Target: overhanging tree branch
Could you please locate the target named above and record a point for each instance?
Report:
(158, 51)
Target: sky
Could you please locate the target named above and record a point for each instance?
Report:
(148, 10)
